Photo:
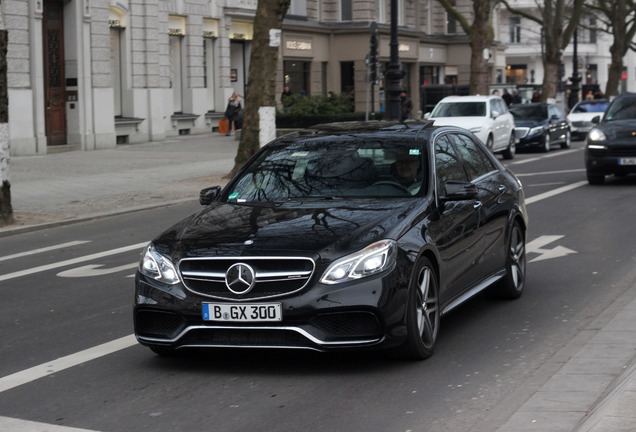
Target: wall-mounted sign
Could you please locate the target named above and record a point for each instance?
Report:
(176, 26)
(298, 45)
(233, 75)
(210, 28)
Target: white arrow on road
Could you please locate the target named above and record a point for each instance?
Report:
(536, 246)
(94, 270)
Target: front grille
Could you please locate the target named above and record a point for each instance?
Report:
(274, 276)
(219, 337)
(521, 132)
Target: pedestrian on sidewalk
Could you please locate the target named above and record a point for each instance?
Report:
(232, 112)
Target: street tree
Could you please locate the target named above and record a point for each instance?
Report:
(558, 20)
(480, 37)
(619, 20)
(6, 211)
(261, 80)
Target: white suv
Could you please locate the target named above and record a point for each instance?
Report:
(485, 116)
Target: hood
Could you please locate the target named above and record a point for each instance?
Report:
(529, 123)
(465, 122)
(223, 229)
(619, 130)
(584, 116)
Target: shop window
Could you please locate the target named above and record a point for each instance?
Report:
(297, 76)
(429, 75)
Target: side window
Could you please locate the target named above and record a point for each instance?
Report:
(476, 162)
(447, 163)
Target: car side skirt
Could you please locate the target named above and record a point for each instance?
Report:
(474, 291)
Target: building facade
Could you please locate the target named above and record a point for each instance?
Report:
(91, 74)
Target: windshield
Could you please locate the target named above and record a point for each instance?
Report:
(338, 168)
(532, 112)
(591, 107)
(622, 109)
(460, 109)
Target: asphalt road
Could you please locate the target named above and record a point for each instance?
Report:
(66, 326)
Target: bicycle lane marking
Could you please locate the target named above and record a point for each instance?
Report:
(71, 261)
(44, 249)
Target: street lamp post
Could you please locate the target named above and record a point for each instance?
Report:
(394, 74)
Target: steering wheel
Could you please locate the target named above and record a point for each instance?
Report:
(393, 184)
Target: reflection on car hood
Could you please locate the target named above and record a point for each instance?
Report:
(528, 123)
(620, 129)
(306, 228)
(584, 116)
(465, 122)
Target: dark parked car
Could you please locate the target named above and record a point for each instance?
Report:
(343, 236)
(540, 125)
(610, 147)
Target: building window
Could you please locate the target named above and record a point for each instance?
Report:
(380, 14)
(451, 25)
(429, 75)
(117, 22)
(297, 76)
(176, 28)
(298, 8)
(209, 73)
(346, 10)
(515, 29)
(517, 74)
(347, 77)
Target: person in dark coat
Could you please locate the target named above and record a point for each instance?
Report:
(232, 112)
(506, 97)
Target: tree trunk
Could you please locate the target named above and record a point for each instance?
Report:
(6, 211)
(480, 40)
(261, 84)
(615, 72)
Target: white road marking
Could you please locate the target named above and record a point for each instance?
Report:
(550, 172)
(554, 192)
(537, 246)
(13, 424)
(91, 270)
(71, 261)
(550, 155)
(45, 249)
(28, 375)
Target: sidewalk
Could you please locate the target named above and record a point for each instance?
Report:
(589, 386)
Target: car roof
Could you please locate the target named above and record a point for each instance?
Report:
(475, 98)
(387, 129)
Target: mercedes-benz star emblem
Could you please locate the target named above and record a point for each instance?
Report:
(240, 278)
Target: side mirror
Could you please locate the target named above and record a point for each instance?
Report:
(459, 191)
(495, 114)
(596, 120)
(208, 195)
(426, 115)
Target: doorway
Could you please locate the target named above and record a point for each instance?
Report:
(54, 78)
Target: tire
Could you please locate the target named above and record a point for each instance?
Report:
(568, 140)
(511, 286)
(423, 313)
(489, 143)
(595, 179)
(546, 142)
(509, 153)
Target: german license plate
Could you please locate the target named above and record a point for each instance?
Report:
(627, 161)
(250, 312)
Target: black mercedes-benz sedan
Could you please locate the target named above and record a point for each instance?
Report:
(339, 237)
(541, 125)
(610, 147)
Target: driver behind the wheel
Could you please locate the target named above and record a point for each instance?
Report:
(407, 167)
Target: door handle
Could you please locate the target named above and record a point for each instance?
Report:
(477, 205)
(502, 188)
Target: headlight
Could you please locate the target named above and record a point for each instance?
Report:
(596, 135)
(536, 130)
(371, 260)
(157, 266)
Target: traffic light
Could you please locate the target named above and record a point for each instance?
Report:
(373, 58)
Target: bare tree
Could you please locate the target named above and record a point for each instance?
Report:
(6, 211)
(261, 80)
(619, 20)
(558, 19)
(480, 37)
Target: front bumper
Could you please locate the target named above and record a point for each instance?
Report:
(610, 161)
(369, 313)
